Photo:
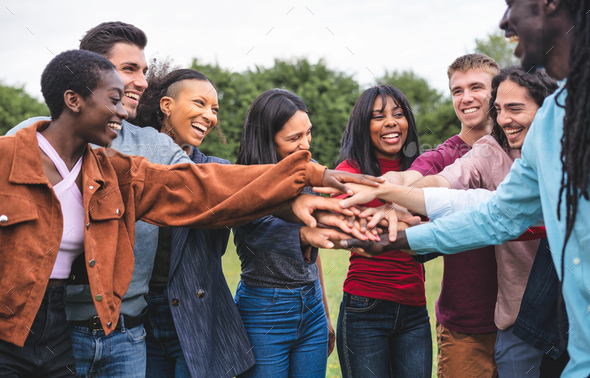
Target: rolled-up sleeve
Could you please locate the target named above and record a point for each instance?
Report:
(211, 195)
(440, 202)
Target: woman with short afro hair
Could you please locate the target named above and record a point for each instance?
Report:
(62, 198)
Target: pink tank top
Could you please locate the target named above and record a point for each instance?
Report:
(72, 208)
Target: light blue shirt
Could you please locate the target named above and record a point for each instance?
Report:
(530, 190)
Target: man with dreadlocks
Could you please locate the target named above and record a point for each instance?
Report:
(551, 178)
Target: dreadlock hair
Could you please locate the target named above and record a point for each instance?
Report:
(170, 84)
(76, 70)
(575, 155)
(537, 84)
(357, 146)
(101, 38)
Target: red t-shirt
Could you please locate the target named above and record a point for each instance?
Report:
(469, 287)
(393, 276)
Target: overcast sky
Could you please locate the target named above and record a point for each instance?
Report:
(363, 38)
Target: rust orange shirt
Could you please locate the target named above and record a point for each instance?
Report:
(117, 191)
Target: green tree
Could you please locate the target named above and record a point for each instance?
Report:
(435, 117)
(329, 95)
(16, 106)
(497, 47)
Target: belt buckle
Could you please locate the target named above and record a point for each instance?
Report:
(94, 321)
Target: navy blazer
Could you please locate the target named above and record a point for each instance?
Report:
(212, 335)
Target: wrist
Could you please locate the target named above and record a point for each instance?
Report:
(390, 192)
(402, 241)
(303, 238)
(382, 190)
(314, 174)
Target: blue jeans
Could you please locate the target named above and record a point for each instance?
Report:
(516, 358)
(287, 328)
(378, 338)
(164, 353)
(120, 354)
(48, 349)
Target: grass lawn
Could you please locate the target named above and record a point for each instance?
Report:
(335, 265)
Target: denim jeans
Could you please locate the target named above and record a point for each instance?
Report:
(48, 349)
(120, 354)
(164, 353)
(516, 358)
(540, 322)
(378, 338)
(287, 328)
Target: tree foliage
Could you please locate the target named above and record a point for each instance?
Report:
(16, 106)
(329, 95)
(497, 47)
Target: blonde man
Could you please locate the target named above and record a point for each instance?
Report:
(466, 332)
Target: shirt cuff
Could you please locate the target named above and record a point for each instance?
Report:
(421, 239)
(437, 202)
(314, 174)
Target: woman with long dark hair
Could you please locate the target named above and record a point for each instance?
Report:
(383, 325)
(280, 296)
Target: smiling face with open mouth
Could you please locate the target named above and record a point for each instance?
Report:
(523, 23)
(103, 112)
(294, 136)
(130, 62)
(515, 112)
(389, 128)
(471, 92)
(192, 114)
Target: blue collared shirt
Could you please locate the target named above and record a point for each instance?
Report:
(530, 190)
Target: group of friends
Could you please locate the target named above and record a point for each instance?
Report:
(113, 223)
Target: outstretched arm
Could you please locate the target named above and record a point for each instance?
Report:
(433, 181)
(410, 198)
(212, 195)
(369, 248)
(504, 217)
(404, 178)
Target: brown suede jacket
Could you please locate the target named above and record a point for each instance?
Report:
(118, 190)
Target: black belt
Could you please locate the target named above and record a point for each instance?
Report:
(95, 324)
